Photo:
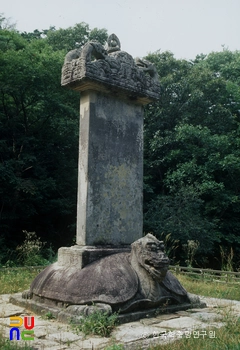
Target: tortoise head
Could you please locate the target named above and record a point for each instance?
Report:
(149, 253)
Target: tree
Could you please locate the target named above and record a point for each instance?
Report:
(74, 37)
(39, 138)
(192, 151)
(39, 134)
(5, 23)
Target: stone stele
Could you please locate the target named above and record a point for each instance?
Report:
(101, 269)
(114, 87)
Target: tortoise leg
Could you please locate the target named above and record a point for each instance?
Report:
(27, 294)
(89, 309)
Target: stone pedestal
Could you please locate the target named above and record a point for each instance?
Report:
(80, 256)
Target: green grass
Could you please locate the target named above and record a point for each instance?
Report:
(17, 279)
(210, 289)
(115, 347)
(97, 323)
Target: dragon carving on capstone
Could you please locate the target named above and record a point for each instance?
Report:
(122, 282)
(95, 65)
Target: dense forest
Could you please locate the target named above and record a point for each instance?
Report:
(191, 148)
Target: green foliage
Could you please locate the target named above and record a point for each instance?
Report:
(74, 37)
(99, 323)
(30, 252)
(38, 135)
(179, 214)
(48, 316)
(226, 259)
(170, 246)
(6, 254)
(39, 138)
(115, 347)
(191, 247)
(191, 181)
(6, 23)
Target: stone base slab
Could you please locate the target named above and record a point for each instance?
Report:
(81, 256)
(51, 334)
(66, 315)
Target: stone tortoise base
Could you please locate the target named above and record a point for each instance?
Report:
(71, 312)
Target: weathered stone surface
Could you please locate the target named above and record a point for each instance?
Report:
(97, 343)
(215, 302)
(156, 320)
(113, 88)
(64, 337)
(11, 311)
(205, 316)
(4, 298)
(4, 321)
(135, 330)
(4, 329)
(45, 344)
(110, 280)
(148, 343)
(183, 322)
(94, 68)
(110, 174)
(80, 256)
(146, 337)
(124, 282)
(41, 331)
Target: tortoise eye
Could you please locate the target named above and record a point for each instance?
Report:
(152, 246)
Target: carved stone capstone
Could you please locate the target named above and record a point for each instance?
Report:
(95, 67)
(124, 282)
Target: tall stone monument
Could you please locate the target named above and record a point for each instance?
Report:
(113, 89)
(111, 265)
